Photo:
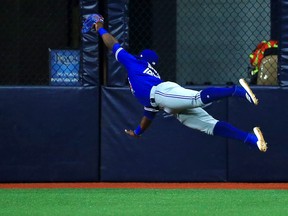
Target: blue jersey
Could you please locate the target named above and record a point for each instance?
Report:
(141, 75)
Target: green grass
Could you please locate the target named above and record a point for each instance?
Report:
(146, 202)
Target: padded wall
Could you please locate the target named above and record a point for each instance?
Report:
(90, 44)
(272, 117)
(168, 151)
(49, 134)
(283, 42)
(118, 26)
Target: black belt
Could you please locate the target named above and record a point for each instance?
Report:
(152, 100)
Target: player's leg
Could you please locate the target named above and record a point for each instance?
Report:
(199, 119)
(173, 96)
(209, 95)
(227, 130)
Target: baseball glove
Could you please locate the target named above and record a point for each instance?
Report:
(90, 21)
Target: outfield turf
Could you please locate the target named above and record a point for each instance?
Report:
(148, 202)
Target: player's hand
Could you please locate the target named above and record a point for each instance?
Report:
(98, 25)
(90, 22)
(131, 133)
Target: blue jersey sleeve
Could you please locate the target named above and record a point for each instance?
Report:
(141, 75)
(150, 112)
(123, 56)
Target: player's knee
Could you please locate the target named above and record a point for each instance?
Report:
(196, 101)
(207, 130)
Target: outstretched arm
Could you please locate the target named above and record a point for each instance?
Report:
(109, 42)
(148, 116)
(144, 124)
(107, 38)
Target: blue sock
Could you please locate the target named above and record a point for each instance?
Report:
(251, 140)
(209, 95)
(239, 92)
(227, 130)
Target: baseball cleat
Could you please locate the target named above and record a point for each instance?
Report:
(250, 96)
(262, 145)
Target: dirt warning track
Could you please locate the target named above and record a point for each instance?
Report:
(139, 185)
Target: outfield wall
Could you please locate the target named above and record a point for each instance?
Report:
(54, 134)
(49, 134)
(169, 151)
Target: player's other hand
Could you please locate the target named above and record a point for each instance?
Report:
(131, 133)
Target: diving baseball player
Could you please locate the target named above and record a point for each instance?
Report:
(186, 105)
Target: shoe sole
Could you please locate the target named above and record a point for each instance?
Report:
(262, 145)
(245, 85)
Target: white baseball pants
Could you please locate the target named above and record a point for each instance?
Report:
(185, 104)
